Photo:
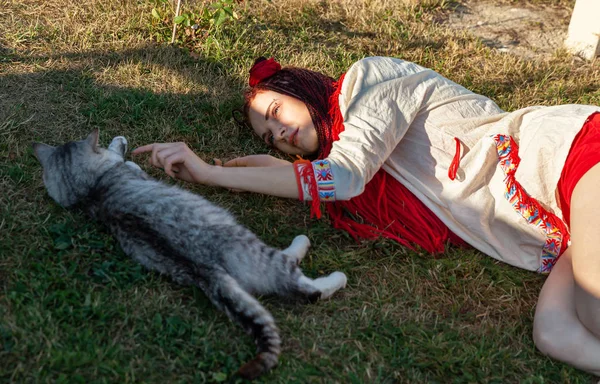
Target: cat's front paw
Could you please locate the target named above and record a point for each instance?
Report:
(119, 145)
(301, 241)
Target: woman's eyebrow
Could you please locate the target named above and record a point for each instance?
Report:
(268, 109)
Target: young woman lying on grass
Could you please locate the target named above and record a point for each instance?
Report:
(424, 161)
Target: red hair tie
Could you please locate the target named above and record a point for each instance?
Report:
(262, 70)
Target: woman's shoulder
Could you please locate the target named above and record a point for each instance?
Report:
(370, 72)
(379, 68)
(385, 63)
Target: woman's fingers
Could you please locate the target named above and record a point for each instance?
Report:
(163, 156)
(150, 148)
(153, 148)
(143, 149)
(163, 153)
(155, 158)
(170, 160)
(160, 151)
(176, 159)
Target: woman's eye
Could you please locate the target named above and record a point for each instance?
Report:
(271, 139)
(276, 110)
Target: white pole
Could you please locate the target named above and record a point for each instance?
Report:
(583, 37)
(174, 24)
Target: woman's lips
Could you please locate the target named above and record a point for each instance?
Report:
(294, 138)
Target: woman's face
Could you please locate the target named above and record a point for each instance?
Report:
(283, 122)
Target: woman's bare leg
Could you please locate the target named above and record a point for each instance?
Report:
(567, 318)
(557, 330)
(585, 237)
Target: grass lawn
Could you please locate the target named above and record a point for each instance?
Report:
(75, 309)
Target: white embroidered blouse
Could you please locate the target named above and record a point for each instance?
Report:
(408, 120)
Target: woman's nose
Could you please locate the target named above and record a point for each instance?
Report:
(280, 133)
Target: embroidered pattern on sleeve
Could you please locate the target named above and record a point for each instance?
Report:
(557, 234)
(324, 178)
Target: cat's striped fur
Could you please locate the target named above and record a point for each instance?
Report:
(183, 235)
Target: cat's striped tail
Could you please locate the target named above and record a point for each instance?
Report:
(243, 308)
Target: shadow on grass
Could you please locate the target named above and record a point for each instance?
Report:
(71, 98)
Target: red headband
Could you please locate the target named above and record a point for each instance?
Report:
(262, 70)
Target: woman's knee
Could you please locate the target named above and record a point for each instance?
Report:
(587, 307)
(553, 334)
(544, 336)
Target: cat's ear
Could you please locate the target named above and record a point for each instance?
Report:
(42, 152)
(92, 139)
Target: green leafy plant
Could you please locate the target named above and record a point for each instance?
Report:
(160, 23)
(222, 11)
(198, 23)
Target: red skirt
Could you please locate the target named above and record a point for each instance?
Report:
(583, 155)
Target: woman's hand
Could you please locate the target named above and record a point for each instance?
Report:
(178, 161)
(253, 161)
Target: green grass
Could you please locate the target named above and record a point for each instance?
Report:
(74, 308)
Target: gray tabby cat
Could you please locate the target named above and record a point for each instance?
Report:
(181, 234)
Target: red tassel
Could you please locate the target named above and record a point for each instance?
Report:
(304, 171)
(455, 161)
(388, 209)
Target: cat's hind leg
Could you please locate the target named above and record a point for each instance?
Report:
(327, 285)
(320, 288)
(297, 250)
(301, 286)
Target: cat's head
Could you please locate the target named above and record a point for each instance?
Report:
(72, 169)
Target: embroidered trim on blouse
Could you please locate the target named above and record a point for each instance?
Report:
(324, 178)
(557, 235)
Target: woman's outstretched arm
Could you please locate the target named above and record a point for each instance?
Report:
(276, 181)
(277, 178)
